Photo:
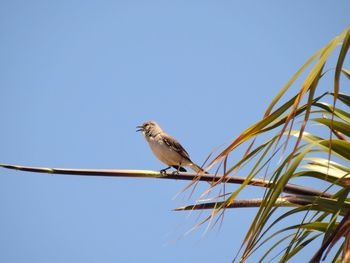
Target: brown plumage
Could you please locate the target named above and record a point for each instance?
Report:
(166, 148)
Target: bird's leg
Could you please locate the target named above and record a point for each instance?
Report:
(163, 171)
(179, 168)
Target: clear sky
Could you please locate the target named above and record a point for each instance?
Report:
(76, 77)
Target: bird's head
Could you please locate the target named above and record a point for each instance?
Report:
(149, 128)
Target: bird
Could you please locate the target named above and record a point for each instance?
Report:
(166, 148)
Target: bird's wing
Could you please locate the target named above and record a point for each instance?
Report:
(175, 146)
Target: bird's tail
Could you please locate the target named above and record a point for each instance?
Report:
(197, 168)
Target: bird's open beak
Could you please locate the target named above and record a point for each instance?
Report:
(139, 128)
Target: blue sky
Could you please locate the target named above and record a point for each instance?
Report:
(76, 77)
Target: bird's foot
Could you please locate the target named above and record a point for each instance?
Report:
(163, 171)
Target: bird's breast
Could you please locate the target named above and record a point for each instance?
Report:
(164, 153)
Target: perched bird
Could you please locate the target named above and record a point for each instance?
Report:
(166, 148)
